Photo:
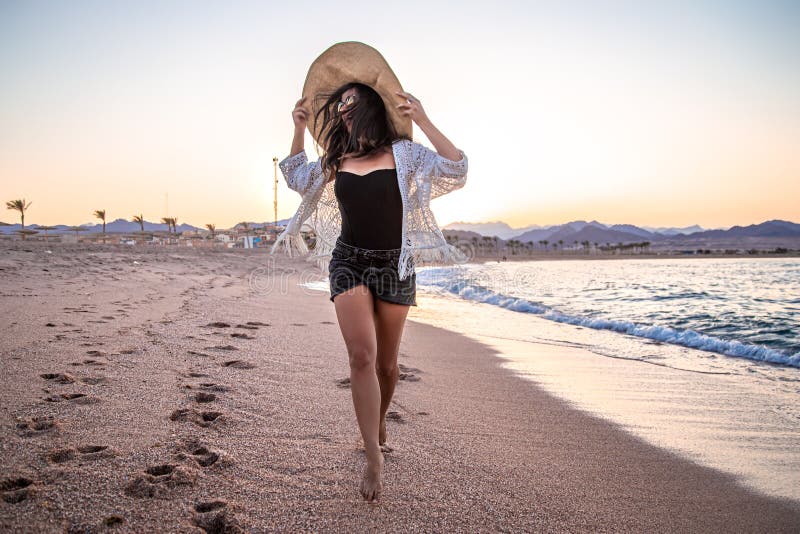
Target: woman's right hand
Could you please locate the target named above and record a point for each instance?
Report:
(300, 115)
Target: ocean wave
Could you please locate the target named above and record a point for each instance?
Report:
(444, 279)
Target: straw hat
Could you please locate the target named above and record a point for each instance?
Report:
(352, 61)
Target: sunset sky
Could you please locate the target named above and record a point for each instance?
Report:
(666, 115)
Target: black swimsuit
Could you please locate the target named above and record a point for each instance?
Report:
(369, 248)
(371, 208)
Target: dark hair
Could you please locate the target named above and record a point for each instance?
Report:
(370, 130)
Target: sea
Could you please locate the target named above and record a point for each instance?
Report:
(700, 356)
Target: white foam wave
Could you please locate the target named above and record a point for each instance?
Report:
(444, 279)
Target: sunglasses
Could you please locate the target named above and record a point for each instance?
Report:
(347, 102)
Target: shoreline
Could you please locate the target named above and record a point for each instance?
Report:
(476, 446)
(721, 414)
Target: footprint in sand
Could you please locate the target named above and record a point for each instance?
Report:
(199, 454)
(214, 517)
(84, 452)
(157, 481)
(113, 520)
(195, 353)
(202, 419)
(15, 489)
(209, 506)
(395, 416)
(238, 364)
(211, 386)
(327, 322)
(253, 323)
(36, 426)
(408, 373)
(89, 362)
(93, 380)
(204, 397)
(299, 324)
(77, 398)
(222, 347)
(343, 383)
(59, 378)
(218, 324)
(241, 335)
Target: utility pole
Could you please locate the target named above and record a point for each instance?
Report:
(275, 188)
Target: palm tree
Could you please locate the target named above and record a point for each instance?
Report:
(213, 229)
(21, 206)
(174, 225)
(561, 244)
(101, 214)
(139, 219)
(170, 222)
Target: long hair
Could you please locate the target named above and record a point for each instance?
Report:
(371, 128)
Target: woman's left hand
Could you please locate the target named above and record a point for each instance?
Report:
(411, 107)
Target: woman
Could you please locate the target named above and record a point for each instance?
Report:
(381, 184)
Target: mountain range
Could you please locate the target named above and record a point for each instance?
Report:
(568, 233)
(596, 232)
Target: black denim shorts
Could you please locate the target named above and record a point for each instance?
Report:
(377, 269)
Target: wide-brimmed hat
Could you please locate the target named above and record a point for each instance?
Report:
(347, 62)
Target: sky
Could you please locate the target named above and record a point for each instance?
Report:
(648, 113)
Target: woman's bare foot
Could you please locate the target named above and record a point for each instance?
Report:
(371, 485)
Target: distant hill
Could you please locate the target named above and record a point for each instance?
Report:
(597, 232)
(674, 231)
(579, 231)
(496, 228)
(635, 230)
(774, 228)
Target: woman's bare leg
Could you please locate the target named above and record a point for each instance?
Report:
(355, 311)
(390, 318)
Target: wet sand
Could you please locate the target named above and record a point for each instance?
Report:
(195, 391)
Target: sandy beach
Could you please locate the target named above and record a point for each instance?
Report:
(179, 390)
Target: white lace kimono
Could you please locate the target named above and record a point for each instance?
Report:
(422, 174)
